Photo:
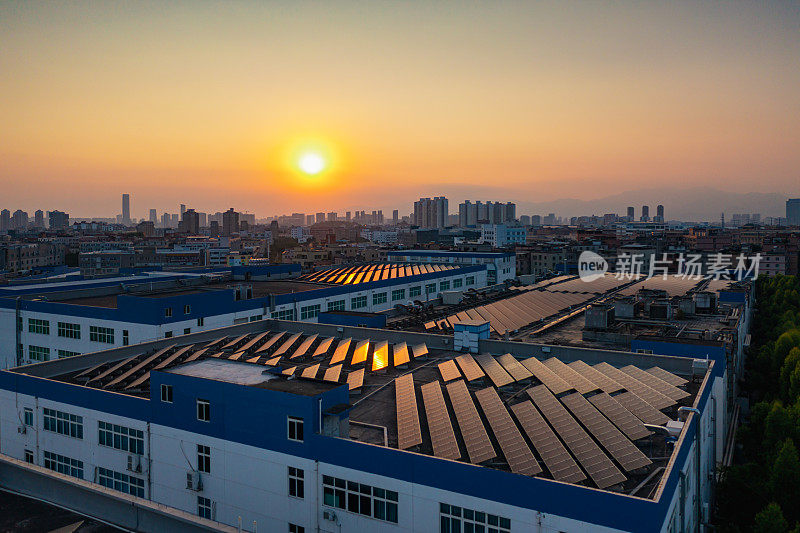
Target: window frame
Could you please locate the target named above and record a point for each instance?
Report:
(296, 482)
(68, 330)
(203, 409)
(204, 459)
(294, 423)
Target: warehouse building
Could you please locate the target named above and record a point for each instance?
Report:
(289, 426)
(502, 266)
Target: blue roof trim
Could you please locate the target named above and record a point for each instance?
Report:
(441, 253)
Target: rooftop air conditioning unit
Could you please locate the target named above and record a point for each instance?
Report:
(193, 481)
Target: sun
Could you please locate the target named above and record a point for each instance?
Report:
(311, 163)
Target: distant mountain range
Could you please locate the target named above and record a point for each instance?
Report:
(695, 204)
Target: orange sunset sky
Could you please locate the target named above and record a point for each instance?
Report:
(206, 103)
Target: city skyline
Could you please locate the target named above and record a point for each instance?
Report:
(514, 101)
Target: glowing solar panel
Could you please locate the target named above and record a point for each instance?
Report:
(304, 347)
(360, 353)
(600, 380)
(669, 377)
(332, 374)
(469, 367)
(273, 361)
(419, 350)
(323, 347)
(287, 344)
(513, 367)
(380, 356)
(632, 427)
(578, 382)
(271, 342)
(496, 373)
(310, 372)
(289, 371)
(400, 354)
(355, 379)
(641, 409)
(449, 370)
(253, 341)
(235, 341)
(341, 351)
(409, 433)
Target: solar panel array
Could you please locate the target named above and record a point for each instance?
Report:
(616, 444)
(651, 396)
(632, 427)
(674, 285)
(469, 367)
(479, 447)
(400, 354)
(440, 428)
(657, 384)
(549, 378)
(641, 409)
(350, 275)
(513, 367)
(669, 377)
(599, 467)
(449, 370)
(576, 381)
(409, 433)
(556, 458)
(515, 450)
(596, 286)
(600, 380)
(497, 374)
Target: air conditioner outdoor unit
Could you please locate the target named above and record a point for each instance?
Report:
(329, 515)
(193, 481)
(135, 463)
(22, 429)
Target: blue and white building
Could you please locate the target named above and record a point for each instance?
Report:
(500, 235)
(501, 266)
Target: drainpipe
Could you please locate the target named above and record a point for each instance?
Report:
(18, 329)
(697, 461)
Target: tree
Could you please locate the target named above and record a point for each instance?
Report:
(771, 520)
(785, 480)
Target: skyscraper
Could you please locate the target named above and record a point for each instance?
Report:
(5, 220)
(659, 213)
(58, 220)
(183, 209)
(230, 222)
(153, 216)
(793, 212)
(645, 213)
(320, 217)
(395, 217)
(431, 213)
(38, 218)
(126, 208)
(631, 213)
(190, 220)
(19, 220)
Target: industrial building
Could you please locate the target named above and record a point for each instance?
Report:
(288, 426)
(68, 318)
(501, 265)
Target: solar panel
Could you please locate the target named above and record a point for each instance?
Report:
(612, 439)
(600, 380)
(400, 354)
(272, 340)
(323, 347)
(304, 347)
(234, 342)
(577, 381)
(333, 373)
(289, 371)
(253, 341)
(669, 377)
(546, 376)
(599, 467)
(144, 377)
(440, 428)
(515, 450)
(355, 379)
(341, 351)
(670, 391)
(496, 373)
(556, 458)
(273, 361)
(641, 409)
(514, 368)
(469, 367)
(215, 342)
(449, 370)
(287, 345)
(632, 427)
(420, 350)
(310, 372)
(479, 447)
(408, 430)
(196, 354)
(125, 375)
(360, 353)
(651, 396)
(380, 356)
(236, 356)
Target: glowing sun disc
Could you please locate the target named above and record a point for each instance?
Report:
(311, 163)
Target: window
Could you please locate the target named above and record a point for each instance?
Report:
(63, 423)
(444, 285)
(338, 305)
(69, 330)
(63, 465)
(36, 325)
(203, 410)
(286, 314)
(204, 507)
(430, 288)
(294, 528)
(166, 393)
(167, 334)
(125, 337)
(121, 482)
(454, 519)
(398, 294)
(415, 291)
(310, 311)
(256, 318)
(27, 417)
(29, 456)
(358, 302)
(379, 298)
(360, 498)
(204, 458)
(200, 322)
(187, 309)
(470, 280)
(458, 282)
(38, 353)
(99, 334)
(186, 331)
(296, 483)
(642, 350)
(295, 431)
(120, 437)
(66, 353)
(168, 312)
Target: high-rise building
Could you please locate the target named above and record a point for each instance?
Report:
(310, 220)
(183, 210)
(38, 218)
(126, 208)
(153, 216)
(395, 217)
(165, 220)
(431, 213)
(58, 220)
(631, 213)
(347, 216)
(332, 216)
(793, 212)
(320, 217)
(19, 220)
(645, 213)
(525, 220)
(659, 213)
(190, 221)
(203, 219)
(472, 214)
(5, 220)
(230, 222)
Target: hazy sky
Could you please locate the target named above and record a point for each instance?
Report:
(202, 103)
